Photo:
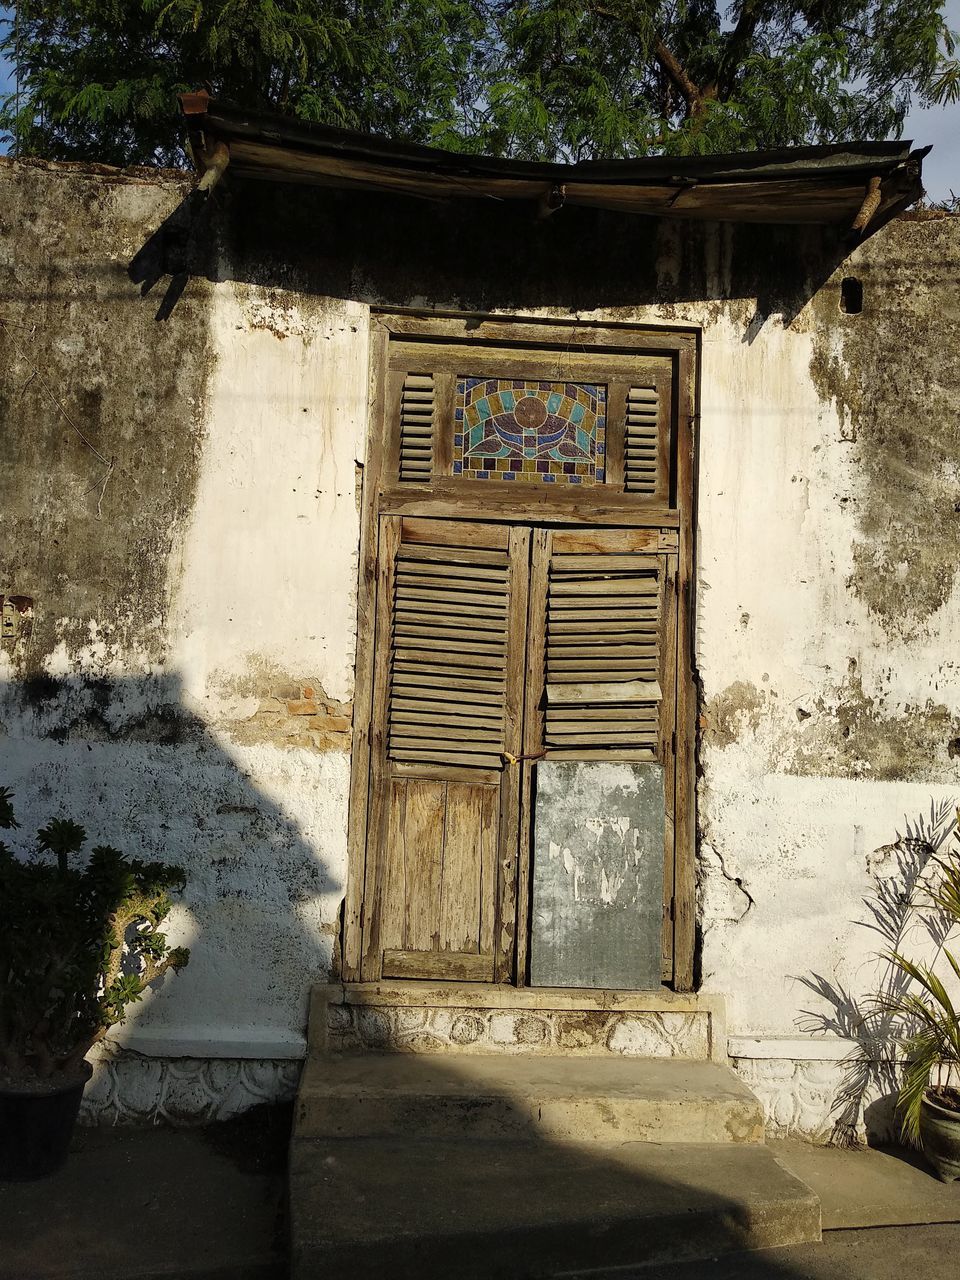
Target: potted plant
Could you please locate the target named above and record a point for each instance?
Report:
(78, 945)
(929, 1097)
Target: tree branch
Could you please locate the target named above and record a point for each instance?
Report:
(691, 94)
(735, 47)
(668, 62)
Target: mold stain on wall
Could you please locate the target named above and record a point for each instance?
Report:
(842, 732)
(103, 409)
(893, 374)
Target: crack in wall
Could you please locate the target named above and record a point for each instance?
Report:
(738, 881)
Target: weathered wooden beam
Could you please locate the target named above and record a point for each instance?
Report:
(214, 162)
(871, 203)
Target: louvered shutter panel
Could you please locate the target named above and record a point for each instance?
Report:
(448, 654)
(641, 441)
(605, 646)
(417, 400)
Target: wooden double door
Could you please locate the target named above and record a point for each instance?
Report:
(499, 645)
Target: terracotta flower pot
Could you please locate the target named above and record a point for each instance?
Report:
(36, 1126)
(940, 1137)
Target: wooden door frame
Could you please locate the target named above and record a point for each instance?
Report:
(683, 344)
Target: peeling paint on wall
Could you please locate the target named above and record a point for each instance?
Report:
(187, 684)
(841, 732)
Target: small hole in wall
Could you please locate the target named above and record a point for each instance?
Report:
(851, 295)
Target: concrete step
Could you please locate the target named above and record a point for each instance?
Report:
(562, 1098)
(412, 1209)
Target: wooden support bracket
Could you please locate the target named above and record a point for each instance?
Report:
(871, 203)
(214, 161)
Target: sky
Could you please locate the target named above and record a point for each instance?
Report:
(941, 127)
(937, 125)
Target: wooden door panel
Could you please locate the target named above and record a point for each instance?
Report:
(468, 888)
(450, 637)
(420, 852)
(604, 687)
(441, 857)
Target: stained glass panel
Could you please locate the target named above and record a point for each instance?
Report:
(521, 429)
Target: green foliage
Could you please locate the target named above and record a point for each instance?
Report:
(78, 945)
(568, 79)
(929, 1017)
(99, 78)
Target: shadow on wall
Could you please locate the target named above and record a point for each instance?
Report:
(473, 255)
(866, 1100)
(126, 758)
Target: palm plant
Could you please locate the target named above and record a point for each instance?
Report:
(930, 1020)
(78, 945)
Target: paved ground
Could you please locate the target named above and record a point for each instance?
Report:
(158, 1204)
(155, 1204)
(885, 1253)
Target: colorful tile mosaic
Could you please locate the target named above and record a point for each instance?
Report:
(517, 429)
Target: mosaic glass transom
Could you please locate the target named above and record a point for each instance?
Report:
(520, 429)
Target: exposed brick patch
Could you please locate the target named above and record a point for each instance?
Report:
(297, 714)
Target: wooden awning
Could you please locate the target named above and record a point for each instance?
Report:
(855, 185)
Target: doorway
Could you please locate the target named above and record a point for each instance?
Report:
(525, 605)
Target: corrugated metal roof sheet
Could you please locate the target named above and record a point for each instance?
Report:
(844, 184)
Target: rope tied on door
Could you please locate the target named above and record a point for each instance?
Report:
(510, 758)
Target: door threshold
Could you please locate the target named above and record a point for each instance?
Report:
(419, 1016)
(490, 995)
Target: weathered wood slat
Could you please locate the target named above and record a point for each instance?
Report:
(415, 680)
(473, 542)
(460, 892)
(601, 654)
(605, 753)
(449, 966)
(643, 446)
(594, 626)
(481, 641)
(433, 661)
(560, 714)
(599, 669)
(604, 541)
(615, 739)
(449, 607)
(602, 589)
(414, 550)
(442, 644)
(435, 621)
(414, 690)
(465, 759)
(448, 716)
(600, 563)
(582, 614)
(467, 572)
(422, 860)
(605, 692)
(444, 772)
(416, 428)
(449, 597)
(600, 641)
(402, 733)
(639, 671)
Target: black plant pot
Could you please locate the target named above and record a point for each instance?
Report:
(35, 1128)
(940, 1136)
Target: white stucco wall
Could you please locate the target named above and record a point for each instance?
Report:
(808, 682)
